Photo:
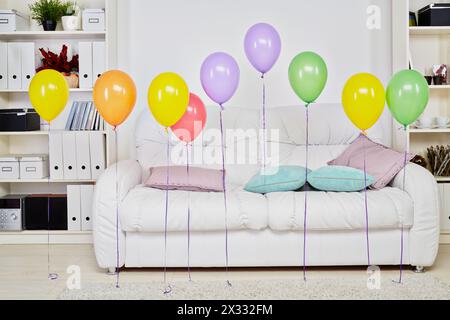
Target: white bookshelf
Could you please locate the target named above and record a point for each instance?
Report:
(424, 47)
(37, 141)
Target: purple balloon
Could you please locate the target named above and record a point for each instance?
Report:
(220, 77)
(262, 46)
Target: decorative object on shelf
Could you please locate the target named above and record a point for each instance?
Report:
(12, 20)
(442, 122)
(439, 160)
(48, 12)
(440, 74)
(424, 122)
(429, 80)
(93, 20)
(412, 19)
(419, 160)
(60, 63)
(71, 21)
(435, 14)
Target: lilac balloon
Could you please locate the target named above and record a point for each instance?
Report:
(220, 77)
(262, 46)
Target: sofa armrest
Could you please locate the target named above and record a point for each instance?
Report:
(121, 177)
(424, 235)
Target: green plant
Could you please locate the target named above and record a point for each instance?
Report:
(49, 10)
(69, 8)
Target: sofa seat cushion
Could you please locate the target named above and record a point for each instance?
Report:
(388, 209)
(143, 210)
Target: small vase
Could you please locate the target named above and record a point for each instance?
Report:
(49, 25)
(71, 23)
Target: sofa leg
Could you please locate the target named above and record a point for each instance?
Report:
(419, 269)
(111, 271)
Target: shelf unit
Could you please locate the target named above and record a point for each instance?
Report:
(34, 142)
(423, 47)
(53, 35)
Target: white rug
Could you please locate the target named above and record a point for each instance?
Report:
(414, 287)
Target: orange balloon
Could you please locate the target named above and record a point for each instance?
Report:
(115, 96)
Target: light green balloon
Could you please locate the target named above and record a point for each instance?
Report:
(308, 76)
(407, 96)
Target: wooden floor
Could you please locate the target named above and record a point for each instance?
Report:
(23, 270)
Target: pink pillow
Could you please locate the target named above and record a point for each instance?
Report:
(199, 179)
(382, 162)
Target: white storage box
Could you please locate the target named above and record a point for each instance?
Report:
(34, 167)
(9, 168)
(93, 20)
(12, 20)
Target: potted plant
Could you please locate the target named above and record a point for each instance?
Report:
(48, 12)
(61, 63)
(71, 20)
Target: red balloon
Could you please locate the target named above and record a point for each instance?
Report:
(189, 127)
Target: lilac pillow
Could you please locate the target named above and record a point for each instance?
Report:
(382, 163)
(199, 179)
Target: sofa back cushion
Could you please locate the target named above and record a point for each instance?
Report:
(330, 133)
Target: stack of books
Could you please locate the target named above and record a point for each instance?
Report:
(84, 116)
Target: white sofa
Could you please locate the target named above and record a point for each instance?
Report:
(263, 230)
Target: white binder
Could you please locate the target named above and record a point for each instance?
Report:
(97, 145)
(28, 63)
(87, 193)
(14, 66)
(98, 60)
(3, 65)
(56, 156)
(85, 63)
(83, 156)
(69, 155)
(73, 208)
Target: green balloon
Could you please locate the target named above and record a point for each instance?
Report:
(407, 96)
(308, 76)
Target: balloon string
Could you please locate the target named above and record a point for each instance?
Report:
(366, 206)
(168, 288)
(51, 276)
(117, 211)
(405, 162)
(306, 193)
(224, 193)
(264, 122)
(188, 216)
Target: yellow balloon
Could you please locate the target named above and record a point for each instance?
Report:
(363, 99)
(168, 98)
(49, 93)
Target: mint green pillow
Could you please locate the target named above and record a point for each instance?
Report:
(340, 179)
(286, 178)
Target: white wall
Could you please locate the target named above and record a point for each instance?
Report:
(157, 36)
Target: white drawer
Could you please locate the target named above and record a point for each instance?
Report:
(37, 169)
(9, 170)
